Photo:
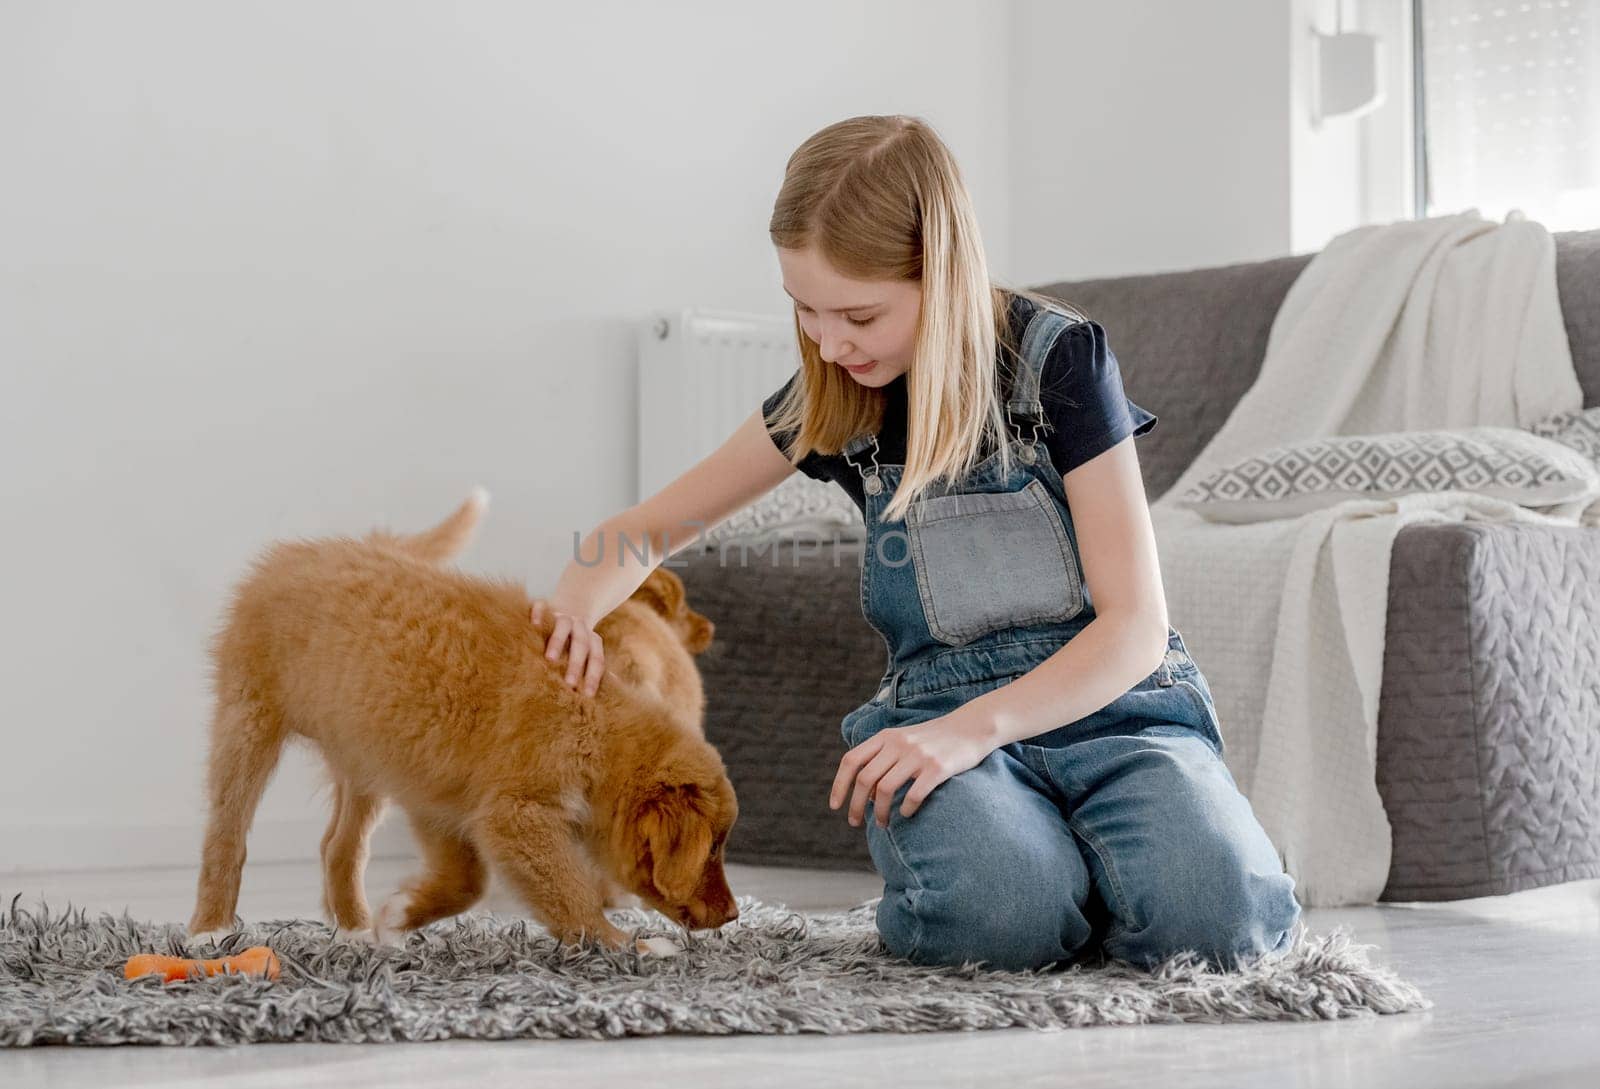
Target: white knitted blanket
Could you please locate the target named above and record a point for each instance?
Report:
(1416, 325)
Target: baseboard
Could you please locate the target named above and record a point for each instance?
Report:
(98, 847)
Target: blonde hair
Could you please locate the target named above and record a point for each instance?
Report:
(881, 198)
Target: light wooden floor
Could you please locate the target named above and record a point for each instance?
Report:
(1516, 982)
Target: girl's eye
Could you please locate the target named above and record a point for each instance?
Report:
(852, 321)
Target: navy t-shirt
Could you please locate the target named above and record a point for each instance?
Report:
(1080, 388)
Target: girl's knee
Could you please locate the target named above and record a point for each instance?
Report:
(986, 870)
(1215, 886)
(997, 932)
(1229, 917)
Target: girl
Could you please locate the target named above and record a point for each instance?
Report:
(1010, 567)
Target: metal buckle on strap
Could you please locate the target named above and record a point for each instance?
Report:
(1030, 446)
(869, 481)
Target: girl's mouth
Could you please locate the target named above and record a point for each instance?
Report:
(861, 368)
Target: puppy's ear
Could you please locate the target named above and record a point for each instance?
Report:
(674, 829)
(701, 631)
(662, 591)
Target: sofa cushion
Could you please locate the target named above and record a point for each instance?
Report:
(798, 507)
(1289, 480)
(1579, 430)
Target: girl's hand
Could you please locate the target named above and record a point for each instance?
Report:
(929, 752)
(587, 655)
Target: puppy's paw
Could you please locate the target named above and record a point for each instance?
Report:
(388, 923)
(361, 936)
(209, 937)
(657, 947)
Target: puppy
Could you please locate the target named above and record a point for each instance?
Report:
(425, 686)
(650, 640)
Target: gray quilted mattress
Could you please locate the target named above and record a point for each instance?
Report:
(1489, 721)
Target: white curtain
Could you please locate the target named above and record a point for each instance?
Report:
(1511, 108)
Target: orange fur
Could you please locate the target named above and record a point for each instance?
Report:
(649, 640)
(425, 686)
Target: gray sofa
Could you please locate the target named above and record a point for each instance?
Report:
(1489, 723)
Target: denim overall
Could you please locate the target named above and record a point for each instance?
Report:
(1122, 831)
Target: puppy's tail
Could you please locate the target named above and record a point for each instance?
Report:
(446, 540)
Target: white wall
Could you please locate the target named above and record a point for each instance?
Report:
(306, 267)
(302, 267)
(1155, 135)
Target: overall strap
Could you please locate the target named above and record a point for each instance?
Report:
(1043, 329)
(859, 443)
(1046, 325)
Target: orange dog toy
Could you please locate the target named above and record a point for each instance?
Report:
(258, 960)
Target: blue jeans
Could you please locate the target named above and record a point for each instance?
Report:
(1135, 843)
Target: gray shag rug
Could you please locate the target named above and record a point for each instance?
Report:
(483, 976)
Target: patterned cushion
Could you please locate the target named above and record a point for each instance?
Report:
(800, 506)
(1579, 430)
(1500, 462)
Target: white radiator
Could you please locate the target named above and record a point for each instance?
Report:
(701, 372)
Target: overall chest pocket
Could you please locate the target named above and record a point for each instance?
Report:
(991, 560)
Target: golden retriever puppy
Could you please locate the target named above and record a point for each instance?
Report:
(650, 640)
(426, 686)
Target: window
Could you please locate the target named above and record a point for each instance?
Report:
(1508, 109)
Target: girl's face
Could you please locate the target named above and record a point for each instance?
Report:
(868, 322)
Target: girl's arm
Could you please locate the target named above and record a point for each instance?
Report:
(741, 470)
